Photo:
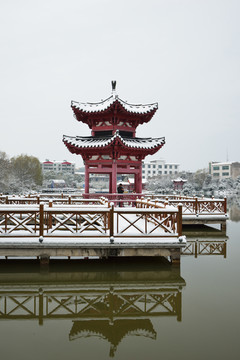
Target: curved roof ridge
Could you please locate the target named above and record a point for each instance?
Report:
(92, 103)
(105, 104)
(147, 143)
(94, 142)
(125, 102)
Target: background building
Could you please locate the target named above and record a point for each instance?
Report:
(224, 170)
(57, 184)
(158, 167)
(58, 166)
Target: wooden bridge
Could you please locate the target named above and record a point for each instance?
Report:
(195, 211)
(99, 229)
(49, 225)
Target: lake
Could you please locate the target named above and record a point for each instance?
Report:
(126, 309)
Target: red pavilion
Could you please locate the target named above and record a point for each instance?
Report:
(113, 147)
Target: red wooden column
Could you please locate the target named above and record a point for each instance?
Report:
(110, 183)
(135, 183)
(86, 179)
(138, 181)
(113, 178)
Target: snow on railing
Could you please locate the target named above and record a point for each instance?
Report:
(47, 200)
(190, 206)
(86, 221)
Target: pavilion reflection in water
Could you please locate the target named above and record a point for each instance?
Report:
(115, 332)
(109, 299)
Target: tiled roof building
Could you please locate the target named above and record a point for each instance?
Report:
(113, 147)
(58, 166)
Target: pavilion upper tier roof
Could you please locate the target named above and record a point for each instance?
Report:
(90, 142)
(88, 112)
(106, 104)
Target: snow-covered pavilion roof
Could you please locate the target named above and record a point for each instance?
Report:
(179, 180)
(96, 142)
(106, 104)
(113, 333)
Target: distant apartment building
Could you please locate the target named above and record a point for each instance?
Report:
(158, 167)
(58, 166)
(224, 170)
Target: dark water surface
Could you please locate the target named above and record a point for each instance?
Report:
(126, 309)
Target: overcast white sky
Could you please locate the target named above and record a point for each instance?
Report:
(183, 54)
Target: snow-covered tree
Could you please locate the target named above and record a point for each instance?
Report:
(160, 184)
(4, 172)
(26, 172)
(188, 189)
(199, 179)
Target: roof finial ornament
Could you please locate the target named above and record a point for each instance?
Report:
(114, 84)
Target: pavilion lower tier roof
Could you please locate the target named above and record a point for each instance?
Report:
(113, 333)
(116, 143)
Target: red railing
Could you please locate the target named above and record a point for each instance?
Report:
(88, 221)
(128, 199)
(190, 206)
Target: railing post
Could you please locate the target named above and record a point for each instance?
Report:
(7, 200)
(112, 220)
(225, 205)
(50, 216)
(41, 227)
(196, 249)
(196, 205)
(69, 200)
(179, 220)
(108, 216)
(6, 222)
(148, 200)
(40, 309)
(225, 249)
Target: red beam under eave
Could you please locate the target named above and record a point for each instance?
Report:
(123, 163)
(109, 171)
